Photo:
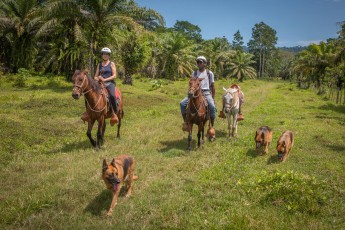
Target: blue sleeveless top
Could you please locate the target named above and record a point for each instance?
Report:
(105, 71)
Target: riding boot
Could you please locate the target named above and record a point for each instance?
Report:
(184, 125)
(221, 114)
(85, 117)
(240, 116)
(114, 119)
(212, 121)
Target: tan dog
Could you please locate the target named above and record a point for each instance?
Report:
(120, 170)
(284, 145)
(263, 138)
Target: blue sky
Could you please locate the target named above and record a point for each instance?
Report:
(297, 22)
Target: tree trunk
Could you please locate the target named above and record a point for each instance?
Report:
(91, 61)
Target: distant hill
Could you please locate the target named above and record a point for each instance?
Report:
(294, 49)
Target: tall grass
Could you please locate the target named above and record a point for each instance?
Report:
(51, 176)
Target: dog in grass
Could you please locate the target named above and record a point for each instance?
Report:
(284, 145)
(263, 138)
(115, 174)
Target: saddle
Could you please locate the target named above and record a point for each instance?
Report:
(104, 91)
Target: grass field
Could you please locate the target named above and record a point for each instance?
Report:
(50, 175)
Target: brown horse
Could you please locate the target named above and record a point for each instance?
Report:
(197, 110)
(97, 104)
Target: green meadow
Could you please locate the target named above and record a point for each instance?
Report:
(50, 175)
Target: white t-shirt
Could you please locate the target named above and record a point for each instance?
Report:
(204, 83)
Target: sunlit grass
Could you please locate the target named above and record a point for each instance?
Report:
(51, 176)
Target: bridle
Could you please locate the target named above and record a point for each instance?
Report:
(81, 91)
(192, 102)
(80, 87)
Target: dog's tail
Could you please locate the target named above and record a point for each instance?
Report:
(135, 177)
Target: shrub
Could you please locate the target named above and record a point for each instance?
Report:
(291, 190)
(20, 80)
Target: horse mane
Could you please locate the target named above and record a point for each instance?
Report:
(94, 84)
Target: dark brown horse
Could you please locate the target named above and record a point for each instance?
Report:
(97, 104)
(197, 110)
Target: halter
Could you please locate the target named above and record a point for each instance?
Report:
(192, 102)
(232, 105)
(196, 90)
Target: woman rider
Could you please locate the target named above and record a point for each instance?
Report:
(106, 73)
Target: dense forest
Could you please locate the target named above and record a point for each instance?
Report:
(58, 36)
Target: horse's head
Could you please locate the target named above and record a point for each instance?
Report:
(79, 79)
(194, 86)
(228, 99)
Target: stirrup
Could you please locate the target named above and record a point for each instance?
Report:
(240, 117)
(114, 119)
(185, 127)
(221, 114)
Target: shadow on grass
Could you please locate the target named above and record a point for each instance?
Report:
(221, 133)
(273, 160)
(337, 148)
(102, 202)
(177, 148)
(252, 153)
(336, 108)
(72, 147)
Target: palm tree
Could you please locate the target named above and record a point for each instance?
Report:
(177, 55)
(18, 26)
(314, 61)
(240, 67)
(218, 53)
(63, 37)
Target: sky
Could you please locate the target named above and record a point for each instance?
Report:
(297, 22)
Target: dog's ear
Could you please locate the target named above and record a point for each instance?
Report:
(113, 162)
(256, 134)
(105, 166)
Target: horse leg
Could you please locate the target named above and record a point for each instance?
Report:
(103, 130)
(88, 133)
(190, 126)
(228, 116)
(118, 128)
(233, 126)
(202, 134)
(99, 132)
(199, 135)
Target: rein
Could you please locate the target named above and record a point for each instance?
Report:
(200, 103)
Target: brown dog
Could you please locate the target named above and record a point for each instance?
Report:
(284, 145)
(121, 169)
(263, 137)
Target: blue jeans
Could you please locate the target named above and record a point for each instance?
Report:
(210, 102)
